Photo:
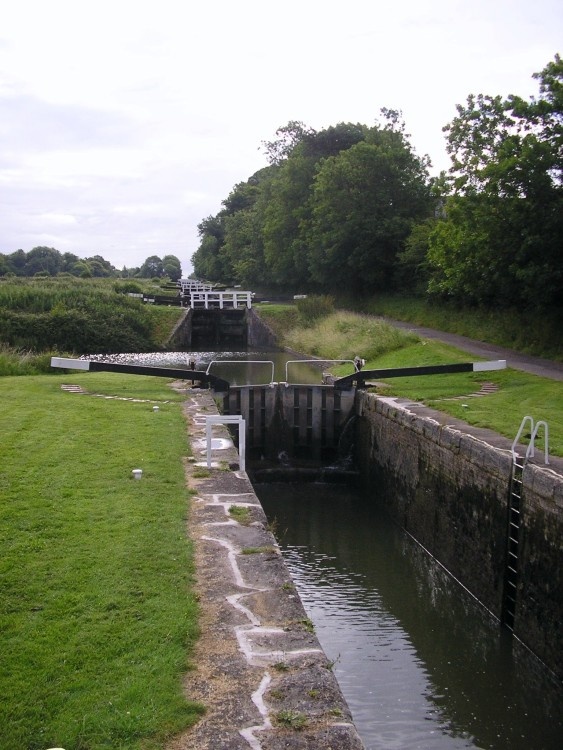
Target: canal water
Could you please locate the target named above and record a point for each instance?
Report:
(237, 367)
(420, 663)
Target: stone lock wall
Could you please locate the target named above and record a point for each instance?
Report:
(448, 486)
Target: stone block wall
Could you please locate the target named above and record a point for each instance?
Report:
(449, 488)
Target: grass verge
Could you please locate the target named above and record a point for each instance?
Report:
(96, 610)
(344, 334)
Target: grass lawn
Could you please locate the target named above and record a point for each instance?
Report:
(96, 610)
(344, 334)
(518, 393)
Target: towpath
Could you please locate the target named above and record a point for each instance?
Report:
(535, 365)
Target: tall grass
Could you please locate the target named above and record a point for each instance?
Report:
(23, 362)
(97, 615)
(343, 335)
(80, 316)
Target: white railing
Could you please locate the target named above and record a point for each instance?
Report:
(192, 285)
(221, 300)
(534, 427)
(226, 419)
(244, 362)
(315, 361)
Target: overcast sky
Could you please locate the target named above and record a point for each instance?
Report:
(124, 123)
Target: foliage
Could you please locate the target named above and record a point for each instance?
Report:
(313, 307)
(47, 261)
(343, 335)
(74, 315)
(23, 362)
(97, 612)
(281, 318)
(500, 241)
(333, 204)
(365, 202)
(526, 331)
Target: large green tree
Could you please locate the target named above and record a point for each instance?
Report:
(500, 242)
(172, 267)
(288, 213)
(337, 201)
(365, 202)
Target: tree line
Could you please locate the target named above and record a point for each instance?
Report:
(47, 261)
(354, 208)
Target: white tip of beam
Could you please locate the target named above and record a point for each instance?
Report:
(70, 364)
(494, 364)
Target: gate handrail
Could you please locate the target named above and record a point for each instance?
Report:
(314, 361)
(244, 362)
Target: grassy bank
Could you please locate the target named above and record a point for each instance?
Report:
(344, 334)
(529, 332)
(80, 316)
(96, 610)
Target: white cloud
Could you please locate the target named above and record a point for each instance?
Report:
(137, 118)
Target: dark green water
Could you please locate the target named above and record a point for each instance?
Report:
(419, 662)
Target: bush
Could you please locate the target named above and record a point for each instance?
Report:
(314, 307)
(23, 362)
(128, 287)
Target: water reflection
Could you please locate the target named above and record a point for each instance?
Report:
(421, 665)
(241, 372)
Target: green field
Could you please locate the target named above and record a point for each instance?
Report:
(97, 615)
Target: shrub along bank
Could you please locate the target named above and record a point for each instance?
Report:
(79, 316)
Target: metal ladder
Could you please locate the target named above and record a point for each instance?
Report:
(515, 515)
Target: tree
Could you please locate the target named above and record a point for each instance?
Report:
(289, 136)
(151, 267)
(231, 245)
(500, 242)
(69, 260)
(287, 214)
(206, 260)
(365, 202)
(172, 267)
(43, 259)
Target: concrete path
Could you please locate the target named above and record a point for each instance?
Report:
(535, 365)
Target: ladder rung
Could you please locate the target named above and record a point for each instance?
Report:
(511, 583)
(513, 555)
(515, 510)
(512, 570)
